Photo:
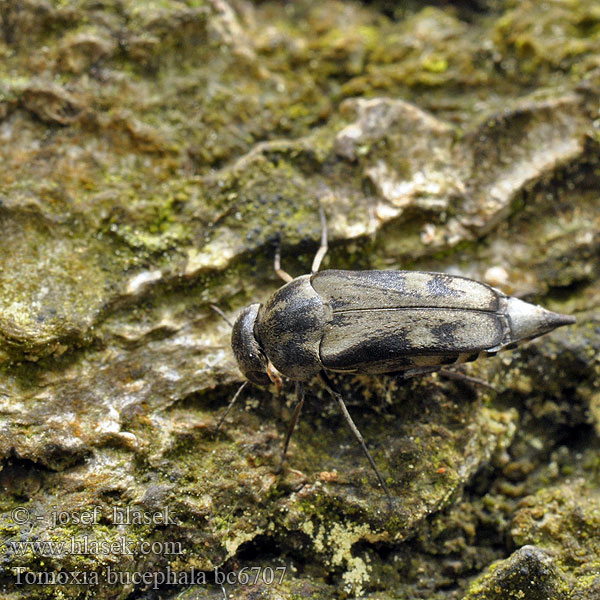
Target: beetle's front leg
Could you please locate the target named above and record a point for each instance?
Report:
(293, 422)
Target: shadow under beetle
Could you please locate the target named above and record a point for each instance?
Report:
(375, 322)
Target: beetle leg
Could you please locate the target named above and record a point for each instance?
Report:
(229, 406)
(338, 397)
(408, 373)
(280, 272)
(323, 247)
(458, 376)
(293, 423)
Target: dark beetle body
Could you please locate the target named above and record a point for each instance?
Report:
(374, 322)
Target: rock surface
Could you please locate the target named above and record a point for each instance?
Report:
(152, 154)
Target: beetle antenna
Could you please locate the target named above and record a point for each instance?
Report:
(323, 247)
(221, 314)
(338, 397)
(229, 406)
(293, 423)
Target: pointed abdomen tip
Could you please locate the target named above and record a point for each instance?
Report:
(561, 320)
(529, 321)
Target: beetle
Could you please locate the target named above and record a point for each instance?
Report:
(374, 323)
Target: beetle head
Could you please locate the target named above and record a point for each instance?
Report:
(247, 351)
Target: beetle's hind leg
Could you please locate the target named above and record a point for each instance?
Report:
(447, 374)
(322, 251)
(338, 397)
(458, 376)
(293, 423)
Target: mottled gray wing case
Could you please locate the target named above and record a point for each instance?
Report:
(384, 321)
